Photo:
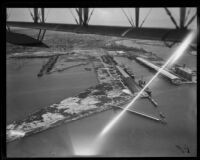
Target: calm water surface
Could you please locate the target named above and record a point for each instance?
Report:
(27, 93)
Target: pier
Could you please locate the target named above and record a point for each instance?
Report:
(48, 66)
(153, 101)
(144, 115)
(173, 78)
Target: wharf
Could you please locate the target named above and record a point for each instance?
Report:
(145, 115)
(48, 66)
(153, 101)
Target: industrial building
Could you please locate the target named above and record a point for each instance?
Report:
(186, 73)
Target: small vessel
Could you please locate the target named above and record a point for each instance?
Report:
(162, 115)
(88, 69)
(194, 53)
(142, 83)
(148, 90)
(185, 72)
(39, 74)
(163, 121)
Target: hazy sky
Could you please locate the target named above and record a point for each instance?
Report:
(107, 16)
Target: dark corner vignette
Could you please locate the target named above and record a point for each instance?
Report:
(100, 79)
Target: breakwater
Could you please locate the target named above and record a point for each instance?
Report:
(46, 68)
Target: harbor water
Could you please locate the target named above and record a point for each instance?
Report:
(131, 136)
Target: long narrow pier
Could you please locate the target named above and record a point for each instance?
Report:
(153, 101)
(48, 66)
(145, 115)
(77, 65)
(173, 78)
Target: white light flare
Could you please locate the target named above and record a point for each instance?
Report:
(175, 56)
(84, 151)
(88, 148)
(181, 49)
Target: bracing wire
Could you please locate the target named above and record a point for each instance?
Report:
(90, 15)
(47, 15)
(131, 17)
(191, 19)
(31, 13)
(146, 17)
(73, 15)
(171, 17)
(127, 18)
(8, 15)
(188, 13)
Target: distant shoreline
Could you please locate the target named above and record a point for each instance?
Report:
(139, 33)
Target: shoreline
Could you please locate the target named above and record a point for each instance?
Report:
(93, 100)
(140, 33)
(109, 85)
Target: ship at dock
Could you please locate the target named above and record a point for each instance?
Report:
(185, 73)
(177, 75)
(127, 77)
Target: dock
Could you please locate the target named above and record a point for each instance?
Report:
(153, 101)
(48, 66)
(172, 77)
(145, 115)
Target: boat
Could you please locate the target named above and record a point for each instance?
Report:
(142, 83)
(88, 69)
(162, 115)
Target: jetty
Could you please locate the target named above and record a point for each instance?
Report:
(48, 66)
(173, 78)
(144, 115)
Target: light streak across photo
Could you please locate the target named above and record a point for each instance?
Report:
(173, 58)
